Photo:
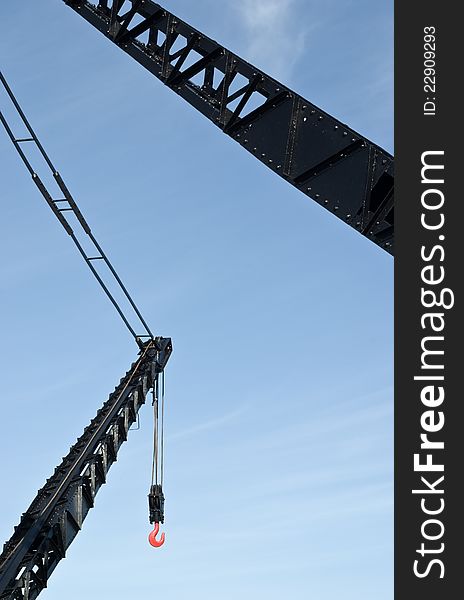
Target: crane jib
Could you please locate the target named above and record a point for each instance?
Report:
(80, 233)
(323, 158)
(326, 160)
(55, 516)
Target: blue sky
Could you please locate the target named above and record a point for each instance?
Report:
(279, 420)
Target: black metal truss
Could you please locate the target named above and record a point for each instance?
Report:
(56, 515)
(66, 205)
(322, 157)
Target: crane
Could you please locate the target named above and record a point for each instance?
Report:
(55, 516)
(323, 158)
(314, 152)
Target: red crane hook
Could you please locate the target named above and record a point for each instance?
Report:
(152, 537)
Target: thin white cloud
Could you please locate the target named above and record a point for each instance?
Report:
(221, 421)
(276, 39)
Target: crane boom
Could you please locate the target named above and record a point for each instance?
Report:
(313, 151)
(67, 205)
(56, 514)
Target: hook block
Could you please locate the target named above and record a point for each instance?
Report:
(156, 504)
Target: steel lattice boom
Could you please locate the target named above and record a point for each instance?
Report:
(56, 515)
(66, 205)
(322, 157)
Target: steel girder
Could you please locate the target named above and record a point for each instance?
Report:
(56, 515)
(326, 160)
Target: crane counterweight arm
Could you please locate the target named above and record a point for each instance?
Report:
(56, 514)
(319, 155)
